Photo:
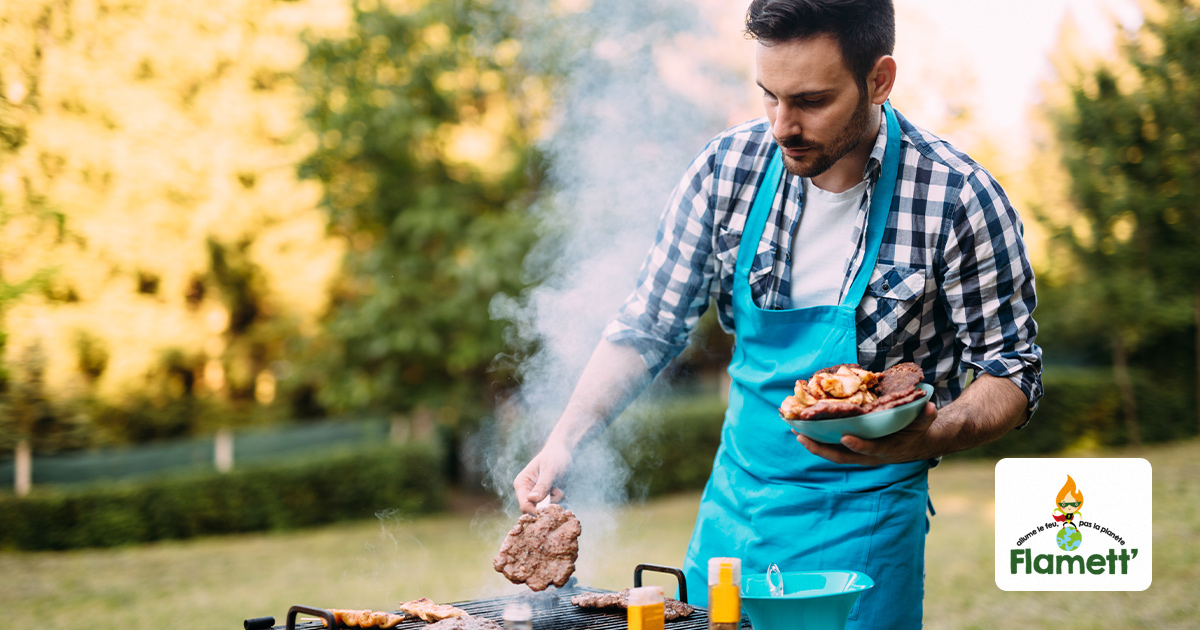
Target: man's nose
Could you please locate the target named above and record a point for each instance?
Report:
(787, 123)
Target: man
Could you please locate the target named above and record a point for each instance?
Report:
(834, 231)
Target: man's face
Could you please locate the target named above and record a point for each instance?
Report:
(817, 112)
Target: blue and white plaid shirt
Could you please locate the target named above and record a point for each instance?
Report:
(952, 290)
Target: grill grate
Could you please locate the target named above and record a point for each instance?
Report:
(551, 611)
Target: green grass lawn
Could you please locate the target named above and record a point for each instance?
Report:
(218, 582)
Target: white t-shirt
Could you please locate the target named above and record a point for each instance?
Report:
(822, 244)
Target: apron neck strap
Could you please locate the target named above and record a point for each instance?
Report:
(881, 204)
(757, 219)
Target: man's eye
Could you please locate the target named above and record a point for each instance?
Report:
(813, 102)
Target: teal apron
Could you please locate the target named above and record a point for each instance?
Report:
(771, 501)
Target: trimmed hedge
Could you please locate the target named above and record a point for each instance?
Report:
(675, 446)
(348, 486)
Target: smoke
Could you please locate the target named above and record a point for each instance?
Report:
(641, 91)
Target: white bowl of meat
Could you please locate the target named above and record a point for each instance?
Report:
(848, 400)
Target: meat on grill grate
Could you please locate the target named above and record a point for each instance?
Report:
(464, 623)
(672, 608)
(365, 618)
(559, 615)
(429, 611)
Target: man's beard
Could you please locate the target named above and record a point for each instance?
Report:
(826, 155)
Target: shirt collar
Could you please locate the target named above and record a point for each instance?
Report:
(875, 161)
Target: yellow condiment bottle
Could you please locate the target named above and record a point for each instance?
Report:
(724, 593)
(646, 608)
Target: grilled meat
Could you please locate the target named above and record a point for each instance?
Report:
(824, 409)
(888, 401)
(540, 550)
(464, 623)
(429, 611)
(900, 378)
(672, 608)
(365, 618)
(846, 390)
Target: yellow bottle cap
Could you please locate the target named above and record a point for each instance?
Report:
(724, 571)
(645, 610)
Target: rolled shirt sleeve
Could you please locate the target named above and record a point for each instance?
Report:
(988, 288)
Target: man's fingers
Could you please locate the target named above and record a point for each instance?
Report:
(836, 453)
(555, 496)
(538, 499)
(541, 489)
(535, 484)
(529, 502)
(524, 500)
(854, 444)
(928, 415)
(526, 488)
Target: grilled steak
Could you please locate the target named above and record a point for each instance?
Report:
(465, 623)
(672, 608)
(900, 378)
(540, 550)
(888, 401)
(828, 408)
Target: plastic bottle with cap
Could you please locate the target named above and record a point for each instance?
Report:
(646, 608)
(724, 593)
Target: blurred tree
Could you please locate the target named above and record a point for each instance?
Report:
(26, 417)
(1130, 135)
(425, 127)
(147, 156)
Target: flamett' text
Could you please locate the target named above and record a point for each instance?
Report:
(1046, 563)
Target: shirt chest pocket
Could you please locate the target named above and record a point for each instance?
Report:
(891, 310)
(726, 246)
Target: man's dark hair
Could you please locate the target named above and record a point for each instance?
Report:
(864, 29)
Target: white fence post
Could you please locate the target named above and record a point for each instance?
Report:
(223, 450)
(23, 475)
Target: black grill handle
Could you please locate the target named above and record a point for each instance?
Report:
(658, 568)
(309, 610)
(259, 623)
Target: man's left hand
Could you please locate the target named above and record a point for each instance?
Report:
(909, 444)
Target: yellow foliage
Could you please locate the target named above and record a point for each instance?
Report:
(479, 143)
(1124, 226)
(153, 126)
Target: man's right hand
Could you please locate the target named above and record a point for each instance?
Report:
(613, 376)
(536, 481)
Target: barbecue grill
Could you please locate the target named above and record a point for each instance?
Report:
(552, 610)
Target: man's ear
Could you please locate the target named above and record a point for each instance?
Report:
(881, 79)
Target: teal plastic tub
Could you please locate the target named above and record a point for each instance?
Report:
(811, 600)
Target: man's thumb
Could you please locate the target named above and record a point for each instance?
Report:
(540, 490)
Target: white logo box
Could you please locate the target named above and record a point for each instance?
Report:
(1114, 522)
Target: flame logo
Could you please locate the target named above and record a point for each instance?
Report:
(1069, 489)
